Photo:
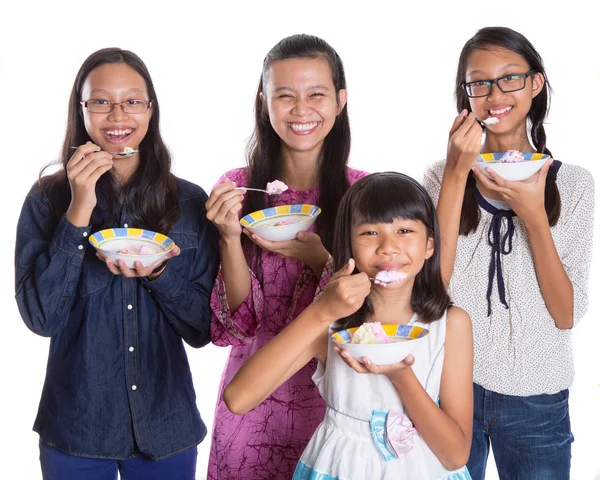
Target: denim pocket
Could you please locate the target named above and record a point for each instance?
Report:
(94, 275)
(552, 401)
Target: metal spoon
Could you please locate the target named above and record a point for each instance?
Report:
(120, 154)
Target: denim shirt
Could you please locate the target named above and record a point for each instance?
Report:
(118, 380)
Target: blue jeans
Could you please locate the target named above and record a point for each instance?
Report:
(57, 465)
(530, 436)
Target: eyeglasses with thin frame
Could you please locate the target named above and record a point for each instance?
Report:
(506, 84)
(128, 106)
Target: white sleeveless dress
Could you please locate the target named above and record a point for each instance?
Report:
(361, 437)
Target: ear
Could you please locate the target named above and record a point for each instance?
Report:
(342, 97)
(264, 103)
(429, 248)
(538, 81)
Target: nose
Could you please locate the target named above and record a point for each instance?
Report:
(117, 112)
(388, 245)
(495, 93)
(300, 107)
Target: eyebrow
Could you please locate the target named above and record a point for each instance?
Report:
(103, 90)
(312, 87)
(508, 65)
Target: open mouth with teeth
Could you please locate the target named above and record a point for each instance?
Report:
(302, 128)
(117, 136)
(500, 111)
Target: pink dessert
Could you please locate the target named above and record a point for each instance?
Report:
(144, 250)
(512, 156)
(276, 187)
(370, 333)
(389, 276)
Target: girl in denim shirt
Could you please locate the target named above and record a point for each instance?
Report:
(118, 393)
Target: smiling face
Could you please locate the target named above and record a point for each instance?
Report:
(116, 83)
(511, 108)
(402, 245)
(301, 102)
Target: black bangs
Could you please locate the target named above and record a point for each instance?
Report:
(386, 197)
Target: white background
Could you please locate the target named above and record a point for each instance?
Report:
(205, 61)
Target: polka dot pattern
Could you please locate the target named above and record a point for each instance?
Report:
(519, 351)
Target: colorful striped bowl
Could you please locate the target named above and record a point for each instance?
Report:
(281, 223)
(405, 339)
(512, 171)
(109, 242)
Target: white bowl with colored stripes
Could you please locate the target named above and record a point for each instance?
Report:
(404, 339)
(512, 171)
(281, 223)
(125, 243)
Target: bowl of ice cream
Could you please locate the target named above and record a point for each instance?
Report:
(281, 223)
(383, 344)
(512, 164)
(131, 244)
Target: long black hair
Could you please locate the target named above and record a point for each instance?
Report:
(494, 37)
(382, 198)
(264, 147)
(151, 193)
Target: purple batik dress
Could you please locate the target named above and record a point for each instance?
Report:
(267, 442)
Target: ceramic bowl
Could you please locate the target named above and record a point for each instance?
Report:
(111, 242)
(281, 223)
(405, 339)
(512, 171)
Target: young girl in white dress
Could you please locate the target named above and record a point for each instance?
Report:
(411, 419)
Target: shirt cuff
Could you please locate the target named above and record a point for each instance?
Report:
(71, 240)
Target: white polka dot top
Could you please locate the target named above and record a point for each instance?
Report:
(519, 350)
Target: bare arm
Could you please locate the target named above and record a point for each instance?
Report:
(463, 148)
(305, 338)
(446, 429)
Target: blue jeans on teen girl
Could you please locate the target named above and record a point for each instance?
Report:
(530, 436)
(57, 465)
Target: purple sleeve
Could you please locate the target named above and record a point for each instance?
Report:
(239, 327)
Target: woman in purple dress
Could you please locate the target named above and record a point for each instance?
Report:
(302, 137)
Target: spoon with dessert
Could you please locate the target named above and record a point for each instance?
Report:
(273, 188)
(488, 122)
(127, 152)
(385, 277)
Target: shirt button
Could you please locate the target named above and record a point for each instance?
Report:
(131, 349)
(129, 307)
(134, 387)
(125, 225)
(80, 247)
(85, 234)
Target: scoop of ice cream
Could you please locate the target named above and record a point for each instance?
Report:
(512, 156)
(370, 333)
(128, 150)
(276, 186)
(389, 276)
(491, 121)
(145, 250)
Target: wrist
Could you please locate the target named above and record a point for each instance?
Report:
(455, 174)
(80, 217)
(228, 241)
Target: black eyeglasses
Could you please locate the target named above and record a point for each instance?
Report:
(128, 106)
(506, 84)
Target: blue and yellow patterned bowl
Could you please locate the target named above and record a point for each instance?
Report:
(125, 243)
(512, 171)
(405, 339)
(281, 223)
